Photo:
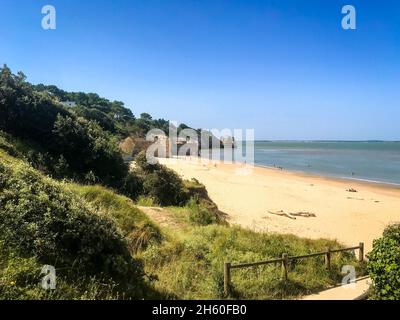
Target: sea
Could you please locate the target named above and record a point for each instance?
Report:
(373, 161)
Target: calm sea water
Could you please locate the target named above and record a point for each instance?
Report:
(372, 161)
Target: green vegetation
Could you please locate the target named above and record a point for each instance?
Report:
(43, 222)
(67, 199)
(98, 240)
(70, 143)
(20, 279)
(146, 202)
(56, 135)
(384, 264)
(112, 116)
(200, 215)
(202, 210)
(136, 227)
(161, 184)
(190, 267)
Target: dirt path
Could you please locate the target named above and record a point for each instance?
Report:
(162, 217)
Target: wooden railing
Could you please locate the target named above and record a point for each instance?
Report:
(284, 261)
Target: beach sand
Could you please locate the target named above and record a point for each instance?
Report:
(250, 196)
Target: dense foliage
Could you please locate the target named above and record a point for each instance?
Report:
(384, 264)
(98, 151)
(41, 218)
(160, 183)
(81, 142)
(64, 144)
(112, 116)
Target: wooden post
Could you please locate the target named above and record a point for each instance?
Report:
(285, 262)
(328, 258)
(227, 279)
(361, 252)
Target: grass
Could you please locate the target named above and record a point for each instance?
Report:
(192, 215)
(191, 266)
(138, 229)
(146, 201)
(20, 279)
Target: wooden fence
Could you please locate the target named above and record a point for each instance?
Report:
(284, 261)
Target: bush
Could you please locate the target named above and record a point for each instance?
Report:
(7, 146)
(200, 215)
(160, 183)
(165, 187)
(21, 278)
(132, 185)
(71, 146)
(56, 168)
(99, 158)
(384, 264)
(26, 113)
(41, 218)
(135, 226)
(203, 210)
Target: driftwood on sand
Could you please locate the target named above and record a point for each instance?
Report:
(293, 215)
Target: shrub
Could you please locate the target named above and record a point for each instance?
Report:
(135, 226)
(165, 186)
(57, 168)
(41, 218)
(160, 183)
(384, 264)
(144, 165)
(7, 146)
(71, 146)
(21, 278)
(203, 210)
(24, 112)
(200, 215)
(99, 157)
(132, 185)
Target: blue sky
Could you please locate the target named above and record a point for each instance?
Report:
(285, 68)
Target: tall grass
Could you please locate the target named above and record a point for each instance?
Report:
(192, 268)
(133, 223)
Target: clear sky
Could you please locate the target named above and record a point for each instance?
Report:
(285, 68)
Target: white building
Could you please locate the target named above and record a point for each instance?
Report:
(68, 104)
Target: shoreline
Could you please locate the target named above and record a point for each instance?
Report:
(254, 197)
(372, 183)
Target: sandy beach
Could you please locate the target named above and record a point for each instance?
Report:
(257, 197)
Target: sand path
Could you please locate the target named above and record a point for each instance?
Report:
(347, 292)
